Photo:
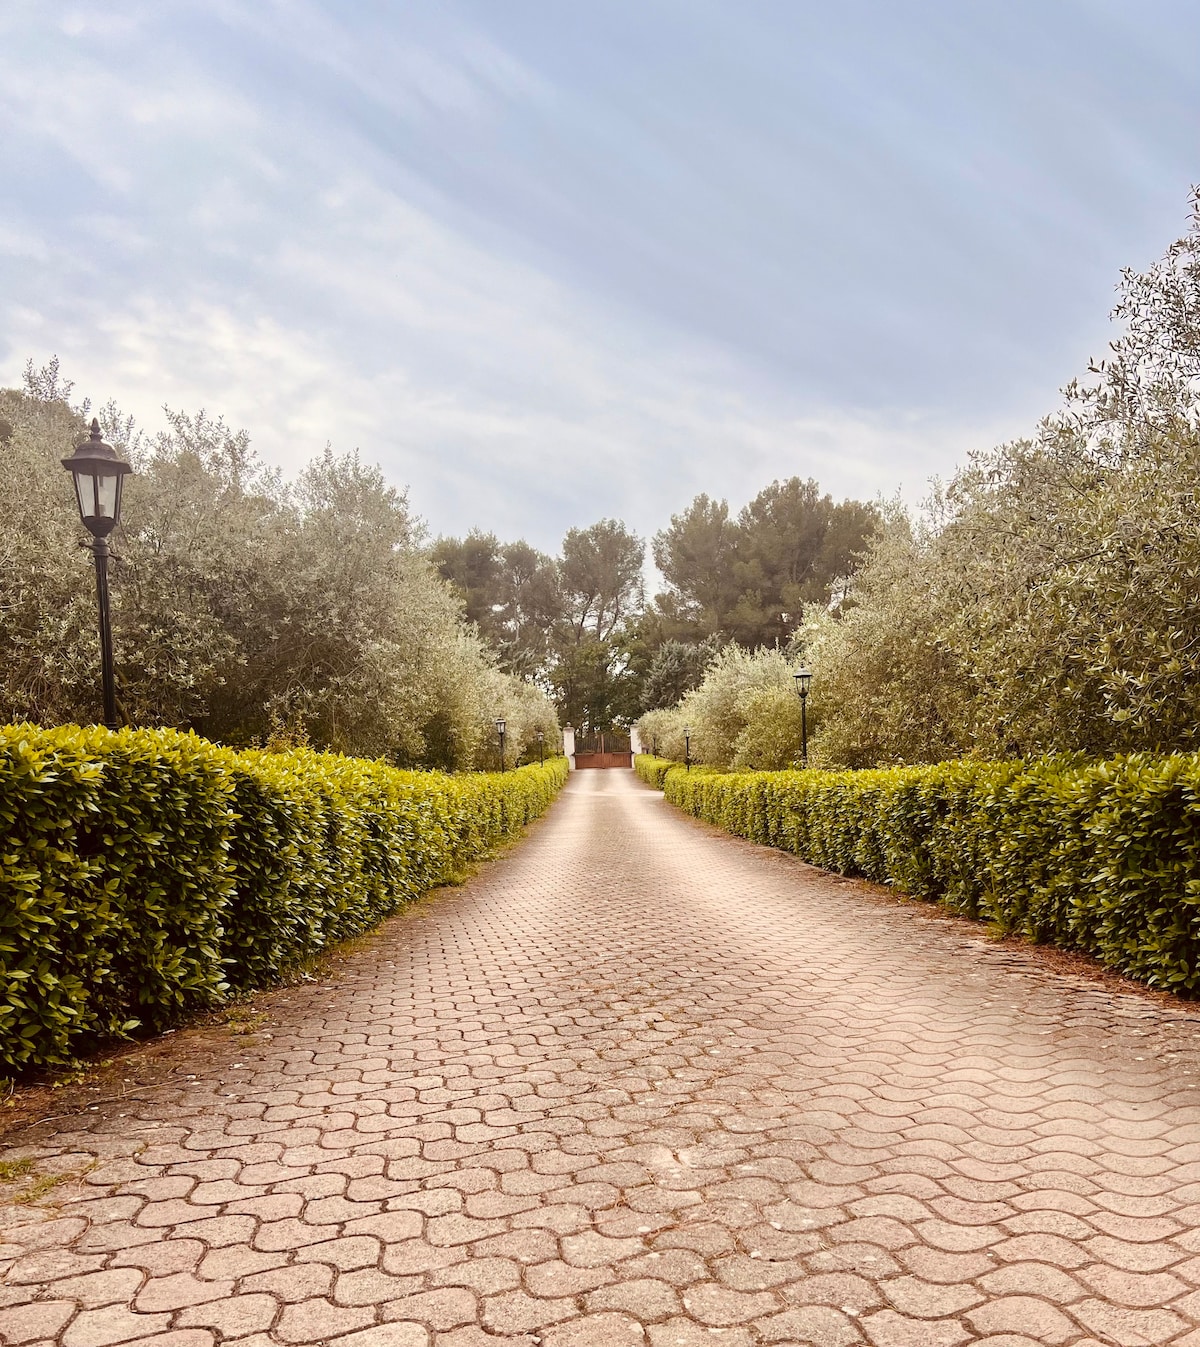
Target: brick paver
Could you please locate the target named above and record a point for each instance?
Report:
(642, 1085)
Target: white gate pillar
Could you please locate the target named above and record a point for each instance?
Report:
(569, 745)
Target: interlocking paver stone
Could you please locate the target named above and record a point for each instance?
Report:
(30, 1322)
(638, 1082)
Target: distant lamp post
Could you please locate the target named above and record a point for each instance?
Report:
(687, 748)
(541, 738)
(654, 745)
(501, 728)
(99, 476)
(803, 679)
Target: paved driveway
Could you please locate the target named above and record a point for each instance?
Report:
(641, 1083)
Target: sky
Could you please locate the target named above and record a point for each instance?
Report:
(547, 262)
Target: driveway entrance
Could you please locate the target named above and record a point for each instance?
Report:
(610, 748)
(637, 1083)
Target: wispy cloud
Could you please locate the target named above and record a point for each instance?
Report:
(549, 263)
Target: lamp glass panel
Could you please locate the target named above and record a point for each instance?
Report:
(83, 494)
(108, 489)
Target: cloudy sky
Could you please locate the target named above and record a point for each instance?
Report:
(548, 260)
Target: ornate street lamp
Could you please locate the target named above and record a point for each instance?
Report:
(803, 679)
(501, 727)
(541, 738)
(687, 748)
(99, 476)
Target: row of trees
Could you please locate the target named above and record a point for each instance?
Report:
(251, 609)
(1047, 599)
(561, 621)
(579, 623)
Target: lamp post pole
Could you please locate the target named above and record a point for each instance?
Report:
(541, 738)
(500, 730)
(687, 748)
(100, 555)
(654, 744)
(99, 476)
(803, 679)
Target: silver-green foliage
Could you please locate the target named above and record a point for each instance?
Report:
(246, 607)
(744, 714)
(1049, 600)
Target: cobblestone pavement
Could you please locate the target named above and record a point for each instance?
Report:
(639, 1083)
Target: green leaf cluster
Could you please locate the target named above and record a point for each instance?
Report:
(1101, 857)
(146, 873)
(743, 714)
(252, 610)
(653, 771)
(1047, 597)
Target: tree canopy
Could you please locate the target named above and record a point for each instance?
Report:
(561, 620)
(243, 606)
(749, 579)
(579, 622)
(1045, 599)
(1049, 599)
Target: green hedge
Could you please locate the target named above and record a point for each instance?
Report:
(653, 771)
(1099, 857)
(147, 872)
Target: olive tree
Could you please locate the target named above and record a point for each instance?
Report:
(248, 608)
(744, 714)
(1049, 601)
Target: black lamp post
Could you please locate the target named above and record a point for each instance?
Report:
(541, 738)
(99, 476)
(803, 679)
(687, 748)
(654, 744)
(501, 727)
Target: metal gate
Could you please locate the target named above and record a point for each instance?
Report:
(609, 748)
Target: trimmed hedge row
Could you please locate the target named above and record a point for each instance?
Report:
(653, 771)
(1102, 857)
(146, 872)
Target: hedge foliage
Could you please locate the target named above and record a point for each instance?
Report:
(653, 771)
(147, 872)
(1102, 857)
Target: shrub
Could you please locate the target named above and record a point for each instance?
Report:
(653, 771)
(148, 872)
(1102, 857)
(744, 714)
